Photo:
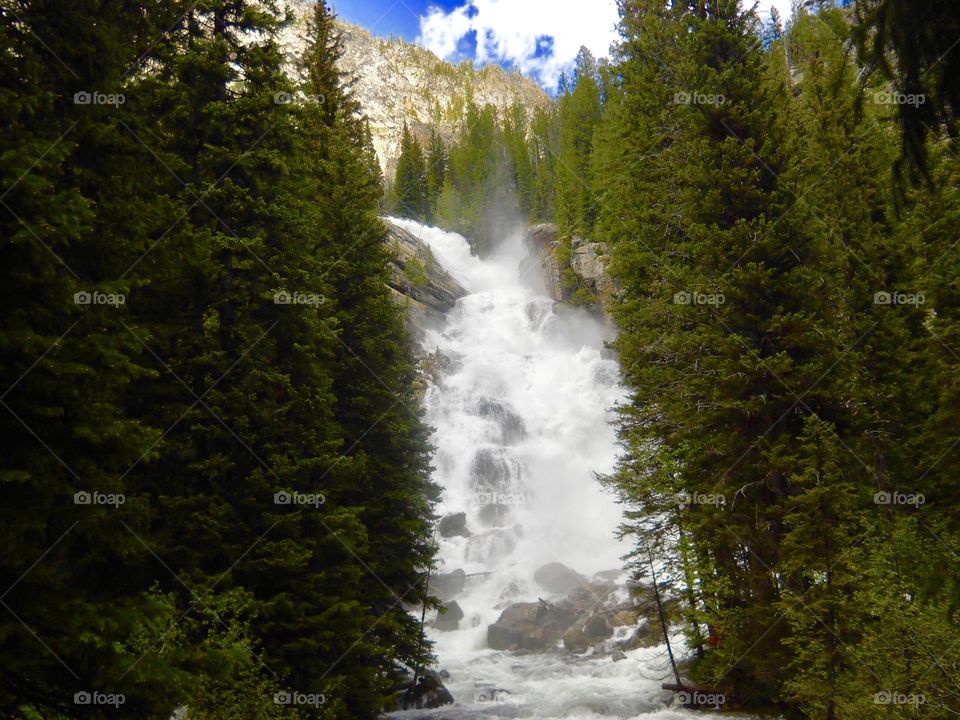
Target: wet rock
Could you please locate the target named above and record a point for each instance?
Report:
(588, 633)
(590, 596)
(449, 617)
(649, 634)
(511, 425)
(618, 655)
(530, 626)
(495, 515)
(557, 578)
(598, 627)
(454, 525)
(428, 693)
(446, 586)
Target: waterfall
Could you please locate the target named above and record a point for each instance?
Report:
(522, 417)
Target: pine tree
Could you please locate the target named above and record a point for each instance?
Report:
(76, 616)
(579, 112)
(436, 171)
(410, 191)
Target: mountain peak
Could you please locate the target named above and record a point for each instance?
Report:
(398, 82)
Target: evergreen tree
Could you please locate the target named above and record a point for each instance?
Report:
(436, 171)
(411, 196)
(579, 112)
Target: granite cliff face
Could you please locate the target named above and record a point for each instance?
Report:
(579, 274)
(396, 81)
(418, 282)
(399, 82)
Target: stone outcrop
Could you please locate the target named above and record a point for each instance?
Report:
(589, 263)
(577, 273)
(419, 282)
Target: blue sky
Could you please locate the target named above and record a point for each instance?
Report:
(539, 37)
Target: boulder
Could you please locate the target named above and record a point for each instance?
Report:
(446, 586)
(618, 655)
(449, 617)
(511, 428)
(590, 595)
(597, 627)
(428, 693)
(530, 626)
(588, 633)
(557, 578)
(454, 525)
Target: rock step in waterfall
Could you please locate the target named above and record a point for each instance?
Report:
(538, 621)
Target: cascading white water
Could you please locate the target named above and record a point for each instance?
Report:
(522, 422)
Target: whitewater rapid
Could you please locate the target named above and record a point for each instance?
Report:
(522, 417)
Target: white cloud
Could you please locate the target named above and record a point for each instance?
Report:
(508, 31)
(783, 6)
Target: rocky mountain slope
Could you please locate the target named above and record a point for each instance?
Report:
(397, 81)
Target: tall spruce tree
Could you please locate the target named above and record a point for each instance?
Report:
(436, 171)
(410, 191)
